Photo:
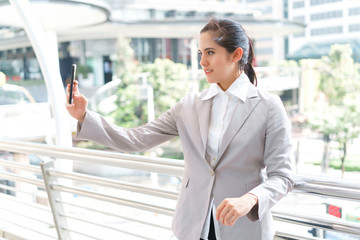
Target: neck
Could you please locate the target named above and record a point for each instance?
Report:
(225, 85)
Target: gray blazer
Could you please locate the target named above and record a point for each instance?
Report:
(255, 156)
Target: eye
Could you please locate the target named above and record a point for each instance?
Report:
(199, 53)
(210, 52)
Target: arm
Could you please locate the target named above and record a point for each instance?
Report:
(277, 159)
(98, 129)
(92, 126)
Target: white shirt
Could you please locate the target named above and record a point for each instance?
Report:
(222, 108)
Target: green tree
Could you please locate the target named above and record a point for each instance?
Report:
(130, 109)
(169, 81)
(126, 66)
(338, 118)
(340, 74)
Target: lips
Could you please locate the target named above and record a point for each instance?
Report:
(208, 71)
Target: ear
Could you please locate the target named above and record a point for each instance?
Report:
(237, 54)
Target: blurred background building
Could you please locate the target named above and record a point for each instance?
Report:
(295, 58)
(327, 22)
(158, 29)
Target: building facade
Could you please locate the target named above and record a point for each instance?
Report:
(327, 22)
(19, 61)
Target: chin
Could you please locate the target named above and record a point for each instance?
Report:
(209, 80)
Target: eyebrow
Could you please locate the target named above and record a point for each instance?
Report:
(207, 49)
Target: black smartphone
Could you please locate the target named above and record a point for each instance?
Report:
(73, 71)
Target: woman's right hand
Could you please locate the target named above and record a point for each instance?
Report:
(78, 107)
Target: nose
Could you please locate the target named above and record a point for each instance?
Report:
(203, 61)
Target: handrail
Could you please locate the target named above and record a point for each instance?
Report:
(5, 199)
(20, 166)
(287, 236)
(37, 206)
(113, 199)
(103, 225)
(15, 177)
(132, 161)
(321, 190)
(301, 179)
(115, 184)
(95, 209)
(320, 222)
(304, 184)
(14, 189)
(27, 216)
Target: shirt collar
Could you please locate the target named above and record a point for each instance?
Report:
(212, 92)
(238, 88)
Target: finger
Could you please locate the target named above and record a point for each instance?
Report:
(68, 105)
(219, 209)
(228, 217)
(233, 219)
(76, 87)
(68, 89)
(223, 214)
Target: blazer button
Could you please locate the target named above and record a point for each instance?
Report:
(212, 173)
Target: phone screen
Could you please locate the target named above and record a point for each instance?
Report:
(73, 71)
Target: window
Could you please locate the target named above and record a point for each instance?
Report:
(266, 39)
(354, 28)
(263, 50)
(326, 31)
(299, 4)
(354, 11)
(300, 19)
(251, 1)
(318, 2)
(326, 15)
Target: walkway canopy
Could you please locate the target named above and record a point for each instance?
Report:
(79, 20)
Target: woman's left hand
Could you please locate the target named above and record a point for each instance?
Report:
(231, 209)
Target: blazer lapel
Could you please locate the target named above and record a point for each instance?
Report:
(239, 117)
(203, 110)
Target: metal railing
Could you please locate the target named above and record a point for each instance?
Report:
(85, 206)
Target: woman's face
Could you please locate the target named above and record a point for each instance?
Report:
(219, 66)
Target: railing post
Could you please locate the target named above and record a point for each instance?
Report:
(55, 203)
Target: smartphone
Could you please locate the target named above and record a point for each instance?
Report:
(73, 71)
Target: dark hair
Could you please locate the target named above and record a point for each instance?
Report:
(231, 35)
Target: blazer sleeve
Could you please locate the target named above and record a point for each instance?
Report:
(278, 154)
(97, 129)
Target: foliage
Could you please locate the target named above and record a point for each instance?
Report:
(352, 163)
(126, 67)
(84, 70)
(340, 75)
(284, 63)
(337, 118)
(90, 145)
(131, 111)
(203, 84)
(169, 81)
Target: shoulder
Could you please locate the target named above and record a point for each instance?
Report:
(268, 98)
(187, 102)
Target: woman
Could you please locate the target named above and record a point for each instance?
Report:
(235, 137)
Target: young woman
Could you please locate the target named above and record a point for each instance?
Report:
(235, 138)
